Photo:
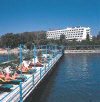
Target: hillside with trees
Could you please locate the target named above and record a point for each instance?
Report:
(39, 38)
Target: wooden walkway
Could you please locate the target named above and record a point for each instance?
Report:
(22, 91)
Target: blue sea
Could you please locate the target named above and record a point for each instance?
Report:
(76, 79)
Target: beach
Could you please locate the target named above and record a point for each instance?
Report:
(5, 51)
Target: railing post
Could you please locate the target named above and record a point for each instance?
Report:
(34, 56)
(52, 51)
(40, 73)
(51, 63)
(20, 92)
(46, 50)
(42, 54)
(31, 51)
(39, 48)
(48, 65)
(33, 79)
(21, 59)
(3, 59)
(45, 68)
(53, 60)
(26, 50)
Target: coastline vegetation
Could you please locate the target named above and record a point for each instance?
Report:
(39, 38)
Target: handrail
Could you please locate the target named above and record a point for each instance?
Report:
(39, 74)
(9, 93)
(14, 96)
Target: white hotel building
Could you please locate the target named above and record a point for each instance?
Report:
(78, 33)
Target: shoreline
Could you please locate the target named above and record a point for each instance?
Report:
(5, 51)
(81, 51)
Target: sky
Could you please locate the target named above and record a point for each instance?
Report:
(17, 16)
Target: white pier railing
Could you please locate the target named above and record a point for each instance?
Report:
(22, 91)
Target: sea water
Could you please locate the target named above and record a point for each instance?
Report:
(76, 79)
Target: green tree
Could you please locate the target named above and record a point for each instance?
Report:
(42, 36)
(88, 37)
(29, 44)
(7, 39)
(62, 37)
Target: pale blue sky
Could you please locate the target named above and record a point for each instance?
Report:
(18, 16)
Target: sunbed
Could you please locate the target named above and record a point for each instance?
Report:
(5, 87)
(17, 81)
(16, 76)
(26, 72)
(38, 64)
(23, 77)
(48, 59)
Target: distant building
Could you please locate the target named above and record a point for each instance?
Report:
(78, 33)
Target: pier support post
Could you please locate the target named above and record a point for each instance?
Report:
(20, 92)
(45, 68)
(33, 80)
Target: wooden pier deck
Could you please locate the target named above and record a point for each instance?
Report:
(20, 92)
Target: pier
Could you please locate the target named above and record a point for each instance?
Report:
(20, 92)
